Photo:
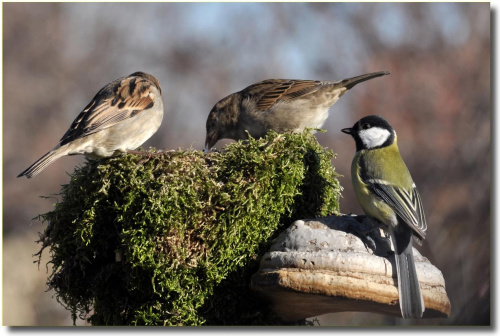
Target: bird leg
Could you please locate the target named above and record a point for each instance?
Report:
(367, 230)
(359, 231)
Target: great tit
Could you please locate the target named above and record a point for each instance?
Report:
(387, 194)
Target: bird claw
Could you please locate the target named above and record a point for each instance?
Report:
(362, 233)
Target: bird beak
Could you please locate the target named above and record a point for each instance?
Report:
(210, 141)
(347, 130)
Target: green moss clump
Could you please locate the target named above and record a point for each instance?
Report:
(188, 227)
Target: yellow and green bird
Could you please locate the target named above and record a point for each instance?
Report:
(386, 192)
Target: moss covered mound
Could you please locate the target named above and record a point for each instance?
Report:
(173, 239)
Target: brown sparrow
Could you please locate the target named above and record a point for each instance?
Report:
(276, 104)
(121, 117)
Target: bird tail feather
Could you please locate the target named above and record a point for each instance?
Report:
(410, 297)
(351, 82)
(43, 162)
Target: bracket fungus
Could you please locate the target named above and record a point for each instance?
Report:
(336, 264)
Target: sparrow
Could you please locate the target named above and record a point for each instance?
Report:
(121, 117)
(276, 104)
(385, 190)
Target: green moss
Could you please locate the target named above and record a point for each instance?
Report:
(190, 229)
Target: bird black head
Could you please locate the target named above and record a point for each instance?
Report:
(371, 132)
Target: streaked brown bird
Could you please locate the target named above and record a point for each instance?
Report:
(276, 104)
(121, 117)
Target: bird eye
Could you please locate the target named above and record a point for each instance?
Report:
(365, 126)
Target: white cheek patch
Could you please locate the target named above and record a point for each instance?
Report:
(374, 137)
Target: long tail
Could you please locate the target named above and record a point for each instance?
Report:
(410, 298)
(351, 82)
(44, 161)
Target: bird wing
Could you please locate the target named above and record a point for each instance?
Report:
(273, 91)
(406, 203)
(116, 102)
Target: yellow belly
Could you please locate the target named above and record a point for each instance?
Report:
(372, 205)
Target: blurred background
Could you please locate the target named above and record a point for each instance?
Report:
(56, 56)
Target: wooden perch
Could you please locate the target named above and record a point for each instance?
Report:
(335, 264)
